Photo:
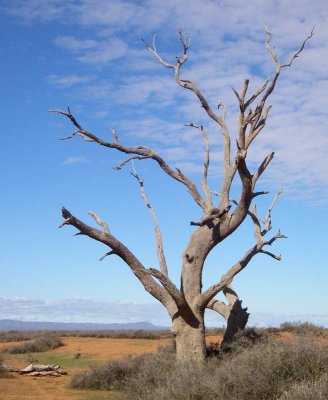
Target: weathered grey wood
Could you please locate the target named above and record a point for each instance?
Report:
(41, 370)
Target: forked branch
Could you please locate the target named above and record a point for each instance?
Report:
(118, 248)
(175, 293)
(251, 122)
(99, 221)
(188, 84)
(221, 307)
(144, 275)
(233, 312)
(259, 234)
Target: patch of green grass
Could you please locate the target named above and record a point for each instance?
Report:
(66, 359)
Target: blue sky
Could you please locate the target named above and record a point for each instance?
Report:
(88, 55)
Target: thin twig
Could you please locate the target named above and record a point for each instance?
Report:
(158, 234)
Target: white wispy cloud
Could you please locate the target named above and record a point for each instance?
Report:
(67, 81)
(32, 10)
(81, 310)
(228, 46)
(92, 51)
(74, 160)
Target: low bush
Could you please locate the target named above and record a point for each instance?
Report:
(267, 370)
(242, 340)
(303, 328)
(17, 336)
(4, 373)
(115, 374)
(317, 390)
(38, 345)
(118, 334)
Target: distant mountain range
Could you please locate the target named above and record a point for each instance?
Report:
(12, 325)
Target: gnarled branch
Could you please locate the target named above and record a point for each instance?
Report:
(123, 252)
(169, 286)
(250, 124)
(259, 233)
(188, 84)
(141, 151)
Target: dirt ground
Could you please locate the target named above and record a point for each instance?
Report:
(91, 350)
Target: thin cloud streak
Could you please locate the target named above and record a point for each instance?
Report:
(81, 310)
(74, 160)
(87, 310)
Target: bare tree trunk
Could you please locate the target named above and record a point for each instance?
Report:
(189, 339)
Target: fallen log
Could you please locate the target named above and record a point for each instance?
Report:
(42, 370)
(39, 368)
(47, 373)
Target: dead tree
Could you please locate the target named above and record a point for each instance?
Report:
(235, 315)
(186, 305)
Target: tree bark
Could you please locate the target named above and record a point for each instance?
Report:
(189, 334)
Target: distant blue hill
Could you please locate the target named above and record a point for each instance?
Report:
(12, 325)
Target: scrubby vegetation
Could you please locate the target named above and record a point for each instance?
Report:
(311, 390)
(303, 328)
(4, 373)
(255, 368)
(43, 343)
(121, 334)
(116, 374)
(16, 336)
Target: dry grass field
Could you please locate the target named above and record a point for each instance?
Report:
(91, 350)
(77, 354)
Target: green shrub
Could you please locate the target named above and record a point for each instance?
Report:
(38, 345)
